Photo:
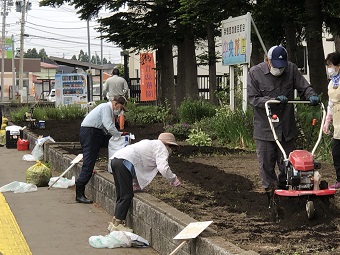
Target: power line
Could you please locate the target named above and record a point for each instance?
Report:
(45, 30)
(60, 21)
(51, 33)
(63, 40)
(60, 27)
(48, 32)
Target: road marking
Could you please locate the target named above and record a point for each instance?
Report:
(12, 241)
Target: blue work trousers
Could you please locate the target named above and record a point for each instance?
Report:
(91, 140)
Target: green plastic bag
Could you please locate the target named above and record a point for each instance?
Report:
(38, 174)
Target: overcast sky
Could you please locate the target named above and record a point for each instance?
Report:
(59, 31)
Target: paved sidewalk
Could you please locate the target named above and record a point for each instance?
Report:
(50, 220)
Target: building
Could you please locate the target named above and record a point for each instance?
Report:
(11, 90)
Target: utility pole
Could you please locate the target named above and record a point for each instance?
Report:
(7, 4)
(21, 64)
(101, 71)
(13, 70)
(3, 49)
(89, 76)
(5, 8)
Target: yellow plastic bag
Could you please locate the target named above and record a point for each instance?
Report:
(38, 174)
(2, 137)
(4, 121)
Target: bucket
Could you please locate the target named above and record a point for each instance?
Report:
(22, 145)
(41, 124)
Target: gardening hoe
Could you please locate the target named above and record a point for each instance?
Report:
(73, 162)
(190, 232)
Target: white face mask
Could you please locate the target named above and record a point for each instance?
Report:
(331, 71)
(116, 112)
(276, 71)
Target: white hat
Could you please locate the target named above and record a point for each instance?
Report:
(167, 138)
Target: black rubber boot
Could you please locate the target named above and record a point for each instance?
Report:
(270, 194)
(270, 198)
(80, 196)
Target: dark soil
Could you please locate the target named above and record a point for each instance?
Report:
(222, 185)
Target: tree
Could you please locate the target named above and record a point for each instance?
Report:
(332, 20)
(318, 75)
(187, 85)
(95, 60)
(42, 54)
(31, 53)
(302, 20)
(83, 57)
(205, 16)
(146, 26)
(337, 43)
(154, 25)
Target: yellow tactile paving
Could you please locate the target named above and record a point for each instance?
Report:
(12, 241)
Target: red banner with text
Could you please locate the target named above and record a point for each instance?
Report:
(147, 77)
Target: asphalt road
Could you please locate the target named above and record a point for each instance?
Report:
(50, 220)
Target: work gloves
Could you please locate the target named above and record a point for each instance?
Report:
(283, 99)
(328, 121)
(314, 100)
(175, 183)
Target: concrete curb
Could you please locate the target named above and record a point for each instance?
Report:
(150, 218)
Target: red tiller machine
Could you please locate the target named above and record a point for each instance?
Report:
(303, 177)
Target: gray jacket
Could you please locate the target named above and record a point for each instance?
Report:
(262, 86)
(115, 86)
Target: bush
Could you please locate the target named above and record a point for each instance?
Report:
(198, 138)
(191, 111)
(230, 128)
(44, 113)
(179, 130)
(308, 134)
(54, 114)
(39, 113)
(139, 114)
(18, 115)
(72, 112)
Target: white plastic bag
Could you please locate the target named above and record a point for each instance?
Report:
(113, 240)
(19, 187)
(38, 150)
(63, 182)
(137, 241)
(115, 144)
(42, 140)
(28, 157)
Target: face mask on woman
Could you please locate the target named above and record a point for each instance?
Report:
(331, 71)
(276, 71)
(116, 112)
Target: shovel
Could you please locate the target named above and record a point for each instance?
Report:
(73, 162)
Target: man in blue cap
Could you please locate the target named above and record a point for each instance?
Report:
(275, 78)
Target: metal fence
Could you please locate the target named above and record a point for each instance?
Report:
(203, 86)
